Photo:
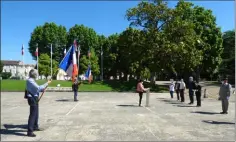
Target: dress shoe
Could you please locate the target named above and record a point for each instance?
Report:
(31, 134)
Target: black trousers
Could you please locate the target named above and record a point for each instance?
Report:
(182, 95)
(140, 97)
(198, 97)
(33, 116)
(225, 104)
(177, 92)
(191, 97)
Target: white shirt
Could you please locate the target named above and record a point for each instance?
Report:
(172, 87)
(182, 85)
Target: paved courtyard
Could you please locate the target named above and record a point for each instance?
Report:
(115, 116)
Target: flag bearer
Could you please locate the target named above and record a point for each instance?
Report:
(32, 94)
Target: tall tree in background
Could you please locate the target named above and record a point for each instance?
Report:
(93, 61)
(227, 67)
(1, 66)
(86, 38)
(44, 36)
(45, 65)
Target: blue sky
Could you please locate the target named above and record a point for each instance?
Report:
(20, 18)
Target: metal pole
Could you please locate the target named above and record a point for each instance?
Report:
(101, 64)
(51, 60)
(147, 97)
(37, 58)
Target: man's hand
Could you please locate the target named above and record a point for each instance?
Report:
(49, 81)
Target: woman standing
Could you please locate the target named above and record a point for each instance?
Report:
(140, 90)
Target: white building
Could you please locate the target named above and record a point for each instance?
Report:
(16, 68)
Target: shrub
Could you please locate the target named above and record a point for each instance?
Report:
(6, 75)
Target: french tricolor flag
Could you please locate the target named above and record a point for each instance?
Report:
(88, 74)
(68, 64)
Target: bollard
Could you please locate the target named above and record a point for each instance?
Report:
(147, 97)
(205, 93)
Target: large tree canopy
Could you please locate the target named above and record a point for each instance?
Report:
(184, 40)
(44, 36)
(227, 67)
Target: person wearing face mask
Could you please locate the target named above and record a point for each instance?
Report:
(224, 94)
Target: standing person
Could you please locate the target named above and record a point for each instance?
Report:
(192, 87)
(224, 93)
(140, 90)
(32, 94)
(182, 89)
(198, 94)
(177, 90)
(172, 89)
(75, 87)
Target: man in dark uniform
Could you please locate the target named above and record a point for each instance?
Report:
(75, 88)
(32, 94)
(192, 87)
(177, 88)
(198, 94)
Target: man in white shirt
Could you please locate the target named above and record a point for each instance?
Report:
(182, 88)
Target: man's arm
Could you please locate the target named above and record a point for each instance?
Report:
(36, 87)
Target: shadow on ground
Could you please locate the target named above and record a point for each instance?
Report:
(11, 130)
(217, 122)
(123, 86)
(10, 126)
(64, 100)
(128, 105)
(183, 106)
(205, 112)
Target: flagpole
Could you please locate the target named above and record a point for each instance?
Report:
(23, 60)
(37, 58)
(51, 61)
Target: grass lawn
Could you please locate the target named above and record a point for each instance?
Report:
(106, 86)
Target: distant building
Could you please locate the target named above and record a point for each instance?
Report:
(16, 68)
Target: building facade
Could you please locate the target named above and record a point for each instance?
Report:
(16, 68)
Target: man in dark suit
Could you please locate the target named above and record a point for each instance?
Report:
(75, 88)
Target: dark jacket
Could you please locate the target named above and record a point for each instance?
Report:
(75, 86)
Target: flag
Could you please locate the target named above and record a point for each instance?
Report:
(65, 52)
(88, 74)
(75, 45)
(22, 50)
(68, 64)
(36, 51)
(89, 53)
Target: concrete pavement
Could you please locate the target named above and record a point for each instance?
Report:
(116, 116)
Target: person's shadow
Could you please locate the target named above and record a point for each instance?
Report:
(11, 130)
(205, 112)
(217, 122)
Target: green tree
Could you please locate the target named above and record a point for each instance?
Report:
(131, 52)
(45, 65)
(1, 66)
(86, 38)
(110, 56)
(93, 61)
(44, 36)
(227, 67)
